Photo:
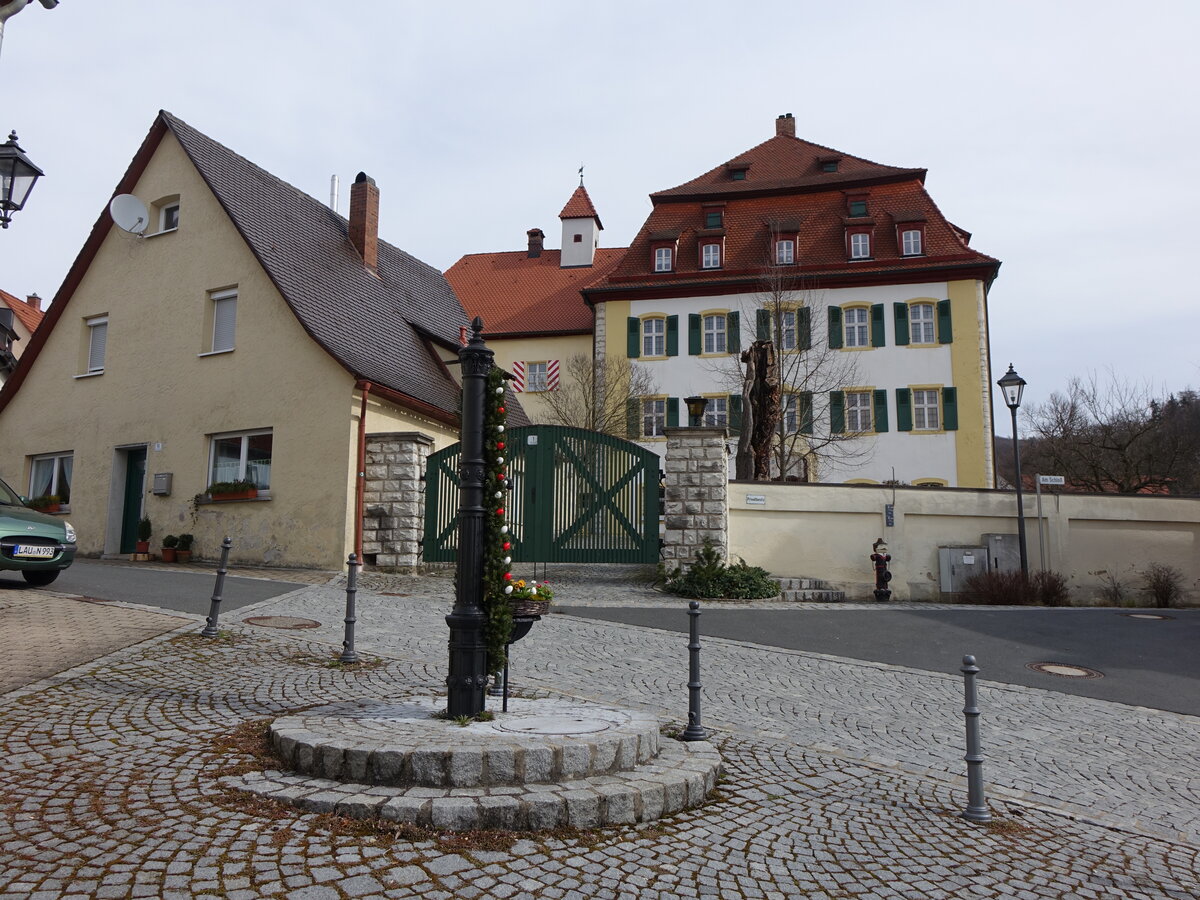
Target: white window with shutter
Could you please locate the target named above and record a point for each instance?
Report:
(224, 320)
(97, 340)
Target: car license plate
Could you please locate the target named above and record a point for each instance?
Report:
(27, 551)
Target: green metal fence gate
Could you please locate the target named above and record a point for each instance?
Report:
(577, 496)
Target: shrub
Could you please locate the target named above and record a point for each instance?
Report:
(144, 528)
(710, 577)
(1163, 584)
(1114, 591)
(170, 541)
(1014, 589)
(185, 542)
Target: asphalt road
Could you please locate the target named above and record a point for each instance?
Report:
(168, 589)
(1144, 662)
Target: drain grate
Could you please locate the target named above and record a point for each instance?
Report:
(281, 622)
(1064, 670)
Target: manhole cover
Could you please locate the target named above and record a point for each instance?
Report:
(1064, 670)
(555, 725)
(1144, 616)
(281, 622)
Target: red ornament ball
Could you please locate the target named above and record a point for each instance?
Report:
(507, 545)
(499, 445)
(500, 511)
(508, 576)
(501, 476)
(501, 409)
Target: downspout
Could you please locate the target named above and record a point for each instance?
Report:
(360, 481)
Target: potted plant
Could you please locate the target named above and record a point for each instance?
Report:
(233, 490)
(528, 598)
(143, 537)
(183, 550)
(48, 504)
(170, 542)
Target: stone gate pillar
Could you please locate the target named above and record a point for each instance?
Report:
(394, 502)
(697, 491)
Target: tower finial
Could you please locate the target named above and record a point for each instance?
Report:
(581, 174)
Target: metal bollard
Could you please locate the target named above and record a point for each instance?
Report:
(214, 609)
(348, 654)
(977, 808)
(694, 731)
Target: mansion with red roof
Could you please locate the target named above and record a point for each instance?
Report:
(875, 306)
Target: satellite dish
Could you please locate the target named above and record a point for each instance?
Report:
(129, 213)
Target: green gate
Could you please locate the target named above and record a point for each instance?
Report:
(577, 496)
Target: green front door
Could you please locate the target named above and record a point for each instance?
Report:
(135, 483)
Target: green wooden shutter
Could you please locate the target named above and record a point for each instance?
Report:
(672, 412)
(837, 412)
(672, 335)
(695, 345)
(835, 328)
(903, 409)
(950, 408)
(633, 418)
(733, 332)
(762, 324)
(878, 338)
(735, 413)
(945, 332)
(900, 311)
(806, 412)
(881, 417)
(803, 329)
(634, 348)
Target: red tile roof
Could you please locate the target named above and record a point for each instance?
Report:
(26, 314)
(519, 295)
(785, 189)
(580, 207)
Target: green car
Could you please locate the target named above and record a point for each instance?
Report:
(37, 545)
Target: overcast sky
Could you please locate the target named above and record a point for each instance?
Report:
(1061, 134)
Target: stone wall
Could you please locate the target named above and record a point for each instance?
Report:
(697, 508)
(394, 501)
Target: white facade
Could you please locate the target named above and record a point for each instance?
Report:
(923, 368)
(580, 238)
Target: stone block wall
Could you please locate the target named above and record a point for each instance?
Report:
(394, 500)
(697, 486)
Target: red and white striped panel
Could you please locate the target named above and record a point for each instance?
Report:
(518, 379)
(552, 375)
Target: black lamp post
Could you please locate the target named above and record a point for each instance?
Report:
(696, 407)
(467, 681)
(1013, 386)
(17, 178)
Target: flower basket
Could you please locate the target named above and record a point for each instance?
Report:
(524, 606)
(233, 490)
(528, 598)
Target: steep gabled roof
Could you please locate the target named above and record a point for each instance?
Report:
(376, 326)
(380, 328)
(521, 295)
(26, 314)
(580, 207)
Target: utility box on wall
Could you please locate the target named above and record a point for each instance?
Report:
(162, 484)
(957, 564)
(1004, 552)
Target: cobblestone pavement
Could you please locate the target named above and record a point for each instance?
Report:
(841, 776)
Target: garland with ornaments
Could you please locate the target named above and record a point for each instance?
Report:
(497, 541)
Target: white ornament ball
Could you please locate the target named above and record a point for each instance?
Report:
(499, 427)
(499, 494)
(499, 460)
(499, 390)
(507, 560)
(508, 589)
(504, 529)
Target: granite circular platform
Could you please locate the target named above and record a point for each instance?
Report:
(544, 764)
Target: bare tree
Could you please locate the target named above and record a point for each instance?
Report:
(1114, 437)
(594, 394)
(797, 437)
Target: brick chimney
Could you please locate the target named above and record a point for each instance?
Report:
(35, 301)
(536, 237)
(785, 126)
(364, 219)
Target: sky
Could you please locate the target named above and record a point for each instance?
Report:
(1060, 134)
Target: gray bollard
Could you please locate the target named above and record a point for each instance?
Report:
(977, 808)
(694, 731)
(348, 654)
(214, 609)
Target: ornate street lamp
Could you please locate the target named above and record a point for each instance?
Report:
(1013, 386)
(696, 407)
(17, 178)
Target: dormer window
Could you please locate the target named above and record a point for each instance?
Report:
(785, 252)
(858, 208)
(710, 256)
(860, 244)
(713, 218)
(663, 259)
(829, 163)
(737, 171)
(911, 242)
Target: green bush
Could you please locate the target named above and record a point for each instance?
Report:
(185, 542)
(170, 542)
(710, 577)
(1014, 589)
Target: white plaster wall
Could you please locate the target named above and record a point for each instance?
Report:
(583, 252)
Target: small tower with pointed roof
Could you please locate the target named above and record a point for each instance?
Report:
(580, 230)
